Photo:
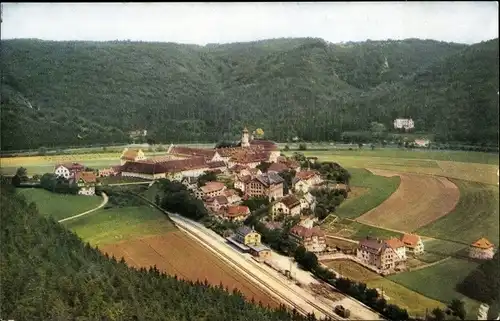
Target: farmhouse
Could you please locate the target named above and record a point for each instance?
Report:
(236, 213)
(269, 185)
(482, 249)
(398, 247)
(304, 180)
(68, 170)
(312, 238)
(86, 181)
(215, 203)
(132, 155)
(211, 189)
(381, 254)
(308, 201)
(413, 243)
(288, 205)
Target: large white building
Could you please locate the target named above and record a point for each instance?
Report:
(406, 123)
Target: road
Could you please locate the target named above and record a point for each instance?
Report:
(104, 202)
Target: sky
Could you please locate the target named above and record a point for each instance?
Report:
(202, 23)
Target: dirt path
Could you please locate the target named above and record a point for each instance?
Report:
(104, 202)
(419, 200)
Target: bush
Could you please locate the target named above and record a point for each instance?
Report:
(302, 146)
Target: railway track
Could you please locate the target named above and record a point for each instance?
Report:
(290, 302)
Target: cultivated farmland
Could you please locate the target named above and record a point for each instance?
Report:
(414, 302)
(476, 215)
(375, 190)
(418, 201)
(175, 253)
(59, 206)
(471, 166)
(438, 282)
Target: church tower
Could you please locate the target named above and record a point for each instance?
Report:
(244, 138)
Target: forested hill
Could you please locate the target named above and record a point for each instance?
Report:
(71, 93)
(48, 273)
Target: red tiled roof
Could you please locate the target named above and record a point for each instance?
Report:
(237, 210)
(290, 201)
(230, 192)
(87, 177)
(221, 199)
(266, 144)
(207, 153)
(277, 167)
(172, 166)
(372, 245)
(305, 175)
(482, 243)
(410, 240)
(212, 187)
(304, 232)
(238, 168)
(394, 243)
(72, 166)
(216, 164)
(245, 157)
(245, 179)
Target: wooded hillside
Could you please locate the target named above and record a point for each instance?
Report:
(77, 93)
(48, 273)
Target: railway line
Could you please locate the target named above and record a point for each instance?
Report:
(291, 303)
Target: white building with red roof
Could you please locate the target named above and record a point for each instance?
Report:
(312, 239)
(482, 249)
(132, 155)
(413, 243)
(68, 170)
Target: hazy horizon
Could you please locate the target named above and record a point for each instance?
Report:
(224, 23)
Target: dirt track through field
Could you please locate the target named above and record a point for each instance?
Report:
(419, 200)
(175, 253)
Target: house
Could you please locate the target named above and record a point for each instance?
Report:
(86, 181)
(232, 196)
(68, 170)
(422, 142)
(236, 169)
(313, 239)
(241, 181)
(289, 163)
(249, 159)
(413, 243)
(304, 180)
(377, 253)
(211, 189)
(247, 236)
(288, 205)
(398, 247)
(277, 168)
(132, 155)
(273, 225)
(482, 249)
(308, 201)
(250, 171)
(269, 185)
(216, 203)
(404, 123)
(138, 133)
(236, 213)
(190, 182)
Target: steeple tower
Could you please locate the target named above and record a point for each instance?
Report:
(244, 138)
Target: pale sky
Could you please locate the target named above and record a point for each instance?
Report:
(202, 23)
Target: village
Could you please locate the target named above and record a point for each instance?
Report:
(235, 176)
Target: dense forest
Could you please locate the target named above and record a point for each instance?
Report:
(48, 273)
(81, 93)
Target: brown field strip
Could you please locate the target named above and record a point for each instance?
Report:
(419, 200)
(175, 253)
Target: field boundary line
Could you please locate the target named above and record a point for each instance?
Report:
(104, 202)
(429, 264)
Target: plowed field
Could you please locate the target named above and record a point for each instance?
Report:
(418, 201)
(176, 254)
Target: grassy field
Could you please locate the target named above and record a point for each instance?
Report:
(475, 216)
(414, 302)
(378, 189)
(356, 231)
(470, 166)
(438, 282)
(113, 225)
(59, 206)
